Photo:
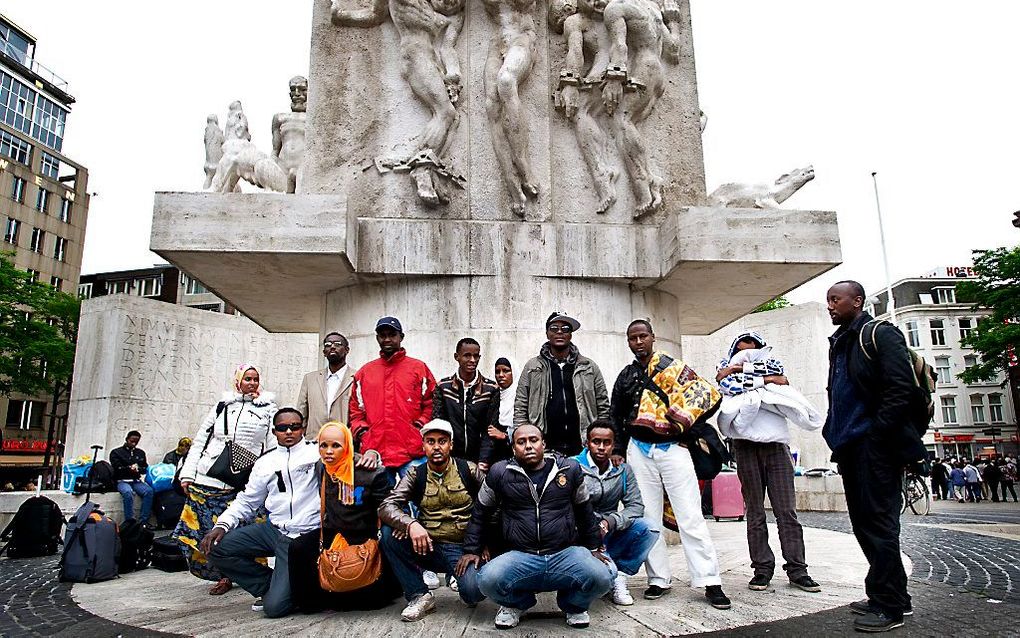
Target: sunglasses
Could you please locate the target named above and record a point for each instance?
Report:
(333, 345)
(561, 329)
(289, 427)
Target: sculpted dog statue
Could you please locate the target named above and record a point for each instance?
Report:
(736, 195)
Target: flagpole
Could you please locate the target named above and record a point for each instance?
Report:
(885, 258)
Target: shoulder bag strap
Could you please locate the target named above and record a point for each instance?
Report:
(664, 362)
(322, 507)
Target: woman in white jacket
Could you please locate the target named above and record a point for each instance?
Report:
(244, 416)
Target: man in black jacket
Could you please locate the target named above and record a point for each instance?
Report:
(872, 401)
(470, 403)
(548, 527)
(129, 468)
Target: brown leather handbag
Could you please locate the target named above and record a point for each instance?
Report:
(344, 567)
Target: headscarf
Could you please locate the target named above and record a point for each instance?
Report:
(342, 471)
(749, 335)
(503, 361)
(183, 445)
(239, 374)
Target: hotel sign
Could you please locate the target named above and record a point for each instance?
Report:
(957, 272)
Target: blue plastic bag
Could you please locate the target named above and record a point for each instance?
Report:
(71, 471)
(160, 476)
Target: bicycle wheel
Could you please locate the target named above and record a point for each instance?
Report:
(920, 496)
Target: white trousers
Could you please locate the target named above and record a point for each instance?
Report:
(673, 470)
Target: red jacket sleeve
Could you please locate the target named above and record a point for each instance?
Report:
(426, 397)
(357, 419)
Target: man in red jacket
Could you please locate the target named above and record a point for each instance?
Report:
(390, 400)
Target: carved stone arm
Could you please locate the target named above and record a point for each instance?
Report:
(373, 17)
(277, 137)
(448, 49)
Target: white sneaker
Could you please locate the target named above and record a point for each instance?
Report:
(453, 584)
(419, 607)
(620, 593)
(257, 605)
(508, 617)
(580, 621)
(431, 579)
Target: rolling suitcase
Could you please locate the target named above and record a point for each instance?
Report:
(727, 500)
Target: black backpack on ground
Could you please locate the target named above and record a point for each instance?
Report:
(91, 547)
(167, 507)
(99, 479)
(34, 530)
(135, 546)
(167, 555)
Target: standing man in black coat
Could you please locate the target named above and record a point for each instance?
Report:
(470, 403)
(873, 399)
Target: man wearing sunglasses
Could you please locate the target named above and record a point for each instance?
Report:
(325, 394)
(561, 391)
(283, 480)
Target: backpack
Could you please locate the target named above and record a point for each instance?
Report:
(100, 479)
(167, 555)
(91, 547)
(34, 530)
(135, 546)
(924, 377)
(466, 477)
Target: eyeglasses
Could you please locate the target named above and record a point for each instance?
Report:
(561, 329)
(289, 427)
(333, 345)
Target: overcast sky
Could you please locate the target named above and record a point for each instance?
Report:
(923, 92)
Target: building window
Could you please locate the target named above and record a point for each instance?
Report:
(970, 361)
(56, 282)
(18, 190)
(42, 200)
(193, 286)
(14, 148)
(977, 408)
(995, 408)
(118, 287)
(60, 249)
(11, 232)
(65, 210)
(48, 127)
(49, 165)
(913, 335)
(938, 332)
(966, 326)
(17, 101)
(25, 415)
(945, 295)
(38, 235)
(150, 286)
(942, 369)
(85, 291)
(33, 274)
(948, 410)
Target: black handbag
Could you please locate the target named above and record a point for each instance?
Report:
(707, 450)
(233, 465)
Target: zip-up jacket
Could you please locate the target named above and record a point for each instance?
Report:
(123, 458)
(390, 400)
(535, 385)
(237, 418)
(537, 522)
(619, 485)
(470, 410)
(284, 481)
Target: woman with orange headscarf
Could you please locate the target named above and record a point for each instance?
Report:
(351, 496)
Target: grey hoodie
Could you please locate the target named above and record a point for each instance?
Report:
(606, 493)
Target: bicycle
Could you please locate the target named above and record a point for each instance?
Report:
(916, 494)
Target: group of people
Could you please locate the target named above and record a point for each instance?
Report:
(554, 483)
(965, 481)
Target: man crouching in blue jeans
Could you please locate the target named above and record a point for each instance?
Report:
(548, 528)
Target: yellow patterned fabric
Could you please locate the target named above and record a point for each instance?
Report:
(690, 396)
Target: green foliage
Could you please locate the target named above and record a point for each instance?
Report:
(997, 288)
(778, 302)
(38, 332)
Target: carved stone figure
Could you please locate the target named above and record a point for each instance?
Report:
(242, 160)
(428, 63)
(213, 148)
(289, 133)
(510, 58)
(735, 195)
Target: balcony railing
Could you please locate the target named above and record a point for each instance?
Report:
(42, 71)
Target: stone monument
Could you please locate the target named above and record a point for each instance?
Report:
(473, 166)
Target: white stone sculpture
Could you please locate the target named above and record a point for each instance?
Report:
(243, 160)
(289, 133)
(510, 58)
(429, 64)
(213, 148)
(736, 195)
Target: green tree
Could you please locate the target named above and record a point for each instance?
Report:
(779, 302)
(996, 288)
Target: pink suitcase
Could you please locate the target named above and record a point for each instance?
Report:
(727, 501)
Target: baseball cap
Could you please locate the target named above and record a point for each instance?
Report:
(389, 322)
(437, 425)
(561, 316)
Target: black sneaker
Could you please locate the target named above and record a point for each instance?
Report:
(862, 607)
(716, 597)
(806, 583)
(654, 592)
(877, 622)
(760, 582)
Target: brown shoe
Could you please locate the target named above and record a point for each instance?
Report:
(221, 587)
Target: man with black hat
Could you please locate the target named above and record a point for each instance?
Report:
(560, 391)
(390, 400)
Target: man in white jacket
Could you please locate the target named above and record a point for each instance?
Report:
(757, 405)
(282, 480)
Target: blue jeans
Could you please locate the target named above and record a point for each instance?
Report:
(127, 490)
(629, 548)
(577, 577)
(407, 565)
(235, 557)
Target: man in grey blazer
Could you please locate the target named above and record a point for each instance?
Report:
(325, 394)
